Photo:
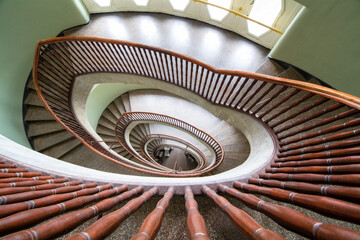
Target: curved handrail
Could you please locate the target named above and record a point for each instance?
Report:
(145, 139)
(58, 61)
(128, 117)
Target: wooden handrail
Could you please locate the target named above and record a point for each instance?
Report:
(59, 61)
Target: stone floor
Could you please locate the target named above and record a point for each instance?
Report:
(212, 45)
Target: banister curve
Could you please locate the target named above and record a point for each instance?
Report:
(58, 61)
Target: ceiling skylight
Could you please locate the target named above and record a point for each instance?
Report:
(141, 2)
(103, 3)
(264, 11)
(179, 4)
(217, 13)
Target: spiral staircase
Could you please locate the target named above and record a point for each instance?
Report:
(307, 185)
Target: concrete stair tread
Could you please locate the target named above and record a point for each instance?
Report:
(238, 138)
(113, 108)
(106, 123)
(58, 150)
(126, 102)
(35, 113)
(83, 156)
(120, 105)
(51, 139)
(33, 99)
(31, 85)
(291, 73)
(106, 131)
(41, 128)
(270, 67)
(109, 116)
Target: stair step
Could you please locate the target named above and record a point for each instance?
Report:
(126, 101)
(106, 123)
(120, 105)
(62, 148)
(41, 128)
(270, 67)
(31, 85)
(109, 116)
(33, 99)
(34, 113)
(104, 130)
(113, 108)
(51, 139)
(238, 138)
(291, 73)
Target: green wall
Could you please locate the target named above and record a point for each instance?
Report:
(22, 24)
(324, 41)
(102, 95)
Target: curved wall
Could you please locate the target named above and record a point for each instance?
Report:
(22, 24)
(324, 41)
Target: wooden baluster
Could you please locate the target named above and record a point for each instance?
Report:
(108, 224)
(246, 224)
(32, 183)
(351, 168)
(288, 96)
(19, 179)
(346, 193)
(251, 85)
(21, 174)
(288, 107)
(303, 110)
(152, 223)
(338, 136)
(12, 190)
(253, 94)
(324, 205)
(319, 123)
(65, 223)
(194, 222)
(24, 219)
(347, 179)
(13, 170)
(293, 220)
(319, 148)
(319, 162)
(335, 153)
(267, 101)
(312, 116)
(3, 165)
(241, 86)
(258, 99)
(8, 209)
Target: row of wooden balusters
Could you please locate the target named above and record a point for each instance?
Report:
(27, 199)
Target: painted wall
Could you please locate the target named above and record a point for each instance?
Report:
(22, 24)
(324, 40)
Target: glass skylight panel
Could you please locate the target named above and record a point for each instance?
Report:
(141, 2)
(103, 3)
(217, 13)
(179, 4)
(264, 11)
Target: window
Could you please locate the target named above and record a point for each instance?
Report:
(264, 11)
(179, 4)
(141, 2)
(217, 13)
(103, 3)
